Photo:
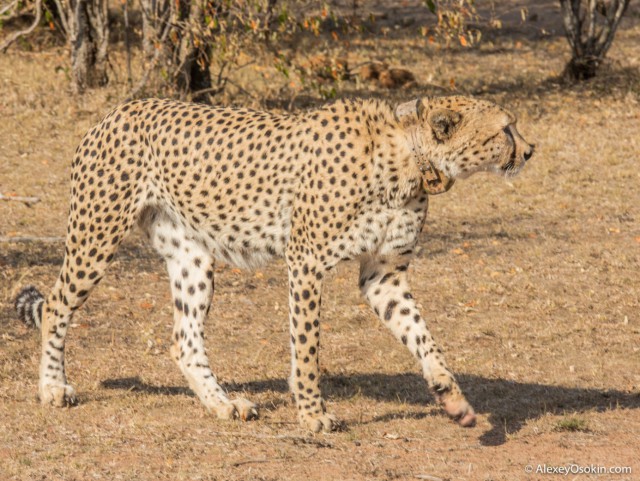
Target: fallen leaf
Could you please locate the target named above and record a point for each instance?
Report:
(146, 305)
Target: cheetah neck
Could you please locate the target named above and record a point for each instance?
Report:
(434, 180)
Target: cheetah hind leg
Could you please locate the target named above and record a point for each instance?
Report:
(190, 267)
(82, 269)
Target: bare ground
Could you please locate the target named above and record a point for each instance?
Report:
(532, 288)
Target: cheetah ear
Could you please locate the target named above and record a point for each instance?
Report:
(443, 122)
(409, 113)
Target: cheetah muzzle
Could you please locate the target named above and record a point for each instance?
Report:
(350, 180)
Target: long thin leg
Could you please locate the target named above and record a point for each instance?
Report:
(190, 268)
(383, 282)
(305, 288)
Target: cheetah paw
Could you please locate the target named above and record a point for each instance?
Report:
(58, 395)
(458, 409)
(323, 422)
(238, 409)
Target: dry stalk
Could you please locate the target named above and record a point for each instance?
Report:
(17, 198)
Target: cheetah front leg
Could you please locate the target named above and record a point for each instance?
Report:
(305, 286)
(383, 282)
(190, 267)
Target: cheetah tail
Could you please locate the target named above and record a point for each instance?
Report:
(29, 303)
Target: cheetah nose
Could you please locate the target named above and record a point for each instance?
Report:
(529, 153)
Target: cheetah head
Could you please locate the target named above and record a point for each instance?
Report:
(454, 137)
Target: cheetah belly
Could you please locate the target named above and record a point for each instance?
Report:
(245, 228)
(249, 244)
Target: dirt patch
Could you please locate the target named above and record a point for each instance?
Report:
(531, 287)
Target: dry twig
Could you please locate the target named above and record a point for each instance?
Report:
(12, 38)
(13, 5)
(252, 461)
(17, 198)
(295, 439)
(428, 477)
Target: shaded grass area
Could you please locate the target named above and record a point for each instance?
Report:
(492, 397)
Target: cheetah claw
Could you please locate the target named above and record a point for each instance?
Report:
(324, 422)
(240, 408)
(459, 410)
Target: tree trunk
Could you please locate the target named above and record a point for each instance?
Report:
(581, 68)
(154, 17)
(173, 40)
(590, 26)
(89, 39)
(192, 60)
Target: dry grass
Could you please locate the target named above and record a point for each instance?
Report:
(532, 288)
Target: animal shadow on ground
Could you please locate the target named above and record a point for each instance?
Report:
(509, 404)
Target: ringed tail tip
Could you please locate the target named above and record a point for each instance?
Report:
(28, 304)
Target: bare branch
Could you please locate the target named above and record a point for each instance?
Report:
(285, 437)
(605, 39)
(10, 6)
(591, 26)
(17, 198)
(62, 10)
(210, 91)
(127, 42)
(12, 38)
(156, 57)
(571, 20)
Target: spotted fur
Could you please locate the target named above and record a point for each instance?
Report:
(242, 186)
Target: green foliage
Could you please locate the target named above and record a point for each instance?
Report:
(453, 19)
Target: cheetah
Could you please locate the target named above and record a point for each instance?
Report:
(350, 180)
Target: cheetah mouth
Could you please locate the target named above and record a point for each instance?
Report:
(512, 167)
(509, 166)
